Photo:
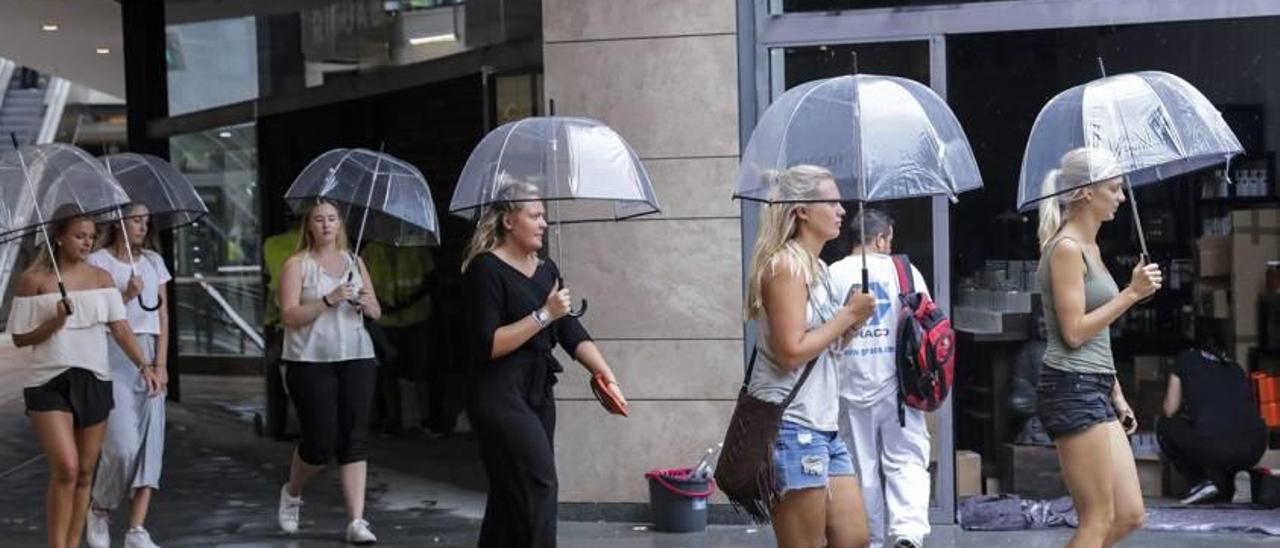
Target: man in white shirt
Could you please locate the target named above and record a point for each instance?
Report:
(881, 446)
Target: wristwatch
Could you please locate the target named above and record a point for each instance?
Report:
(542, 318)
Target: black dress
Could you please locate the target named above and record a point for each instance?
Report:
(511, 406)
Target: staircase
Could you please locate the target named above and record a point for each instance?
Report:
(22, 111)
(23, 114)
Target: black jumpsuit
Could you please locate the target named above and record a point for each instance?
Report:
(511, 406)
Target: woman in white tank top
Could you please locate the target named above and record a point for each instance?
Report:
(330, 369)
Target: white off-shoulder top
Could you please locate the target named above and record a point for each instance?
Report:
(82, 341)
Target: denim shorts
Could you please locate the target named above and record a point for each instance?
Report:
(805, 458)
(1071, 402)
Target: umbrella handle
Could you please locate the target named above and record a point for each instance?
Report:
(150, 307)
(1145, 259)
(62, 288)
(582, 309)
(866, 281)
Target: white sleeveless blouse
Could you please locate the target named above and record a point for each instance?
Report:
(338, 333)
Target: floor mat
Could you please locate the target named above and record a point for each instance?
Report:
(1012, 513)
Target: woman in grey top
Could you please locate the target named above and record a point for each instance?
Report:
(1079, 400)
(800, 318)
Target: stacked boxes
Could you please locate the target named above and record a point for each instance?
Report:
(1255, 239)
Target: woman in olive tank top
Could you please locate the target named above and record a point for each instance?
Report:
(1079, 401)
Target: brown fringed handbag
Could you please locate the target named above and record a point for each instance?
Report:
(745, 472)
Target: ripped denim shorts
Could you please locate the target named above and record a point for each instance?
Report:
(804, 458)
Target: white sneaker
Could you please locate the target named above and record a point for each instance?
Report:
(97, 530)
(358, 533)
(290, 508)
(138, 537)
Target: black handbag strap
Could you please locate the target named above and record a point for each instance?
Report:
(808, 368)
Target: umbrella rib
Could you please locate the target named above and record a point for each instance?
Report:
(497, 163)
(786, 128)
(53, 259)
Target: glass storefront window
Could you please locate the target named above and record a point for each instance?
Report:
(223, 55)
(211, 63)
(218, 278)
(841, 5)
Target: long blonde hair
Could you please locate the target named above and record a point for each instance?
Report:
(512, 196)
(775, 242)
(66, 215)
(1081, 168)
(306, 241)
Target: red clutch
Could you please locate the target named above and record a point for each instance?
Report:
(600, 387)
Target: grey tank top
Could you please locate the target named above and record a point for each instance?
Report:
(1094, 356)
(817, 404)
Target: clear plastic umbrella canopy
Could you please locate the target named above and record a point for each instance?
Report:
(382, 198)
(582, 168)
(1145, 126)
(43, 184)
(171, 200)
(882, 137)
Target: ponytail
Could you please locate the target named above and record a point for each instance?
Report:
(1078, 170)
(1050, 212)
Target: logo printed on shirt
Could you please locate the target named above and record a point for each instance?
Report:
(884, 304)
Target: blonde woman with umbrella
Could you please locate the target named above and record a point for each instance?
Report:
(68, 391)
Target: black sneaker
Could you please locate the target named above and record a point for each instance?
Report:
(904, 542)
(1206, 491)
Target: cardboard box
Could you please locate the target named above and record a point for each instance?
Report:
(1148, 403)
(968, 473)
(1255, 239)
(1150, 475)
(1270, 459)
(1148, 368)
(1214, 255)
(1031, 471)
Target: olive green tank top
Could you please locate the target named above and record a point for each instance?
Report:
(1094, 356)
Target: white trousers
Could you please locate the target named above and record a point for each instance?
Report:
(893, 467)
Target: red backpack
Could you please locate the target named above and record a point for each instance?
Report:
(926, 353)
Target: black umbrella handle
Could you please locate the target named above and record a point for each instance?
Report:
(866, 281)
(150, 307)
(581, 309)
(66, 304)
(354, 302)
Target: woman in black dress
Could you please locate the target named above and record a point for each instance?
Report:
(515, 314)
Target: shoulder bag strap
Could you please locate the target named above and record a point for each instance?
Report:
(808, 368)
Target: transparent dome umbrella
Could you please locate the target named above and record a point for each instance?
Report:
(388, 197)
(882, 138)
(582, 169)
(170, 198)
(1142, 126)
(44, 184)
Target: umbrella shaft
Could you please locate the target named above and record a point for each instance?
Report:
(1137, 221)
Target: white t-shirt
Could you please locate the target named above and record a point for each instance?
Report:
(867, 366)
(153, 273)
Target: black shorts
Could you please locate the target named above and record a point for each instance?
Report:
(1071, 402)
(76, 391)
